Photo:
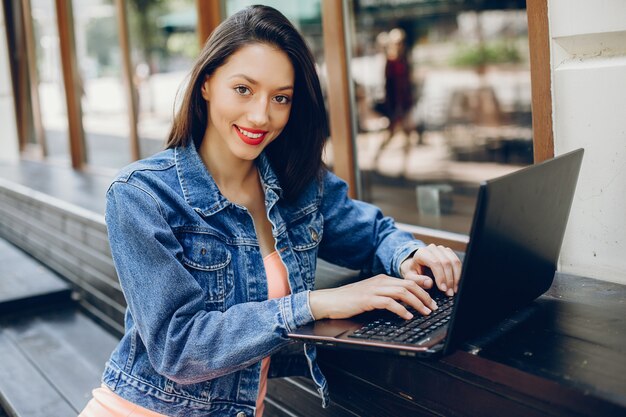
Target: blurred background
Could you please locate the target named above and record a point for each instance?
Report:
(440, 94)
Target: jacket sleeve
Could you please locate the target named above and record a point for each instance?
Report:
(184, 341)
(358, 236)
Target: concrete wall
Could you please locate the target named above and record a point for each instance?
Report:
(8, 135)
(588, 49)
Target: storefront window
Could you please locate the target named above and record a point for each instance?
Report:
(101, 86)
(164, 44)
(443, 103)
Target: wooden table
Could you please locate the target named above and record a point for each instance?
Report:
(566, 359)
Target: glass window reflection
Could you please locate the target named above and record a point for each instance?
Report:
(50, 77)
(443, 103)
(101, 86)
(164, 44)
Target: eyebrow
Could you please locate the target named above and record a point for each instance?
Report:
(253, 81)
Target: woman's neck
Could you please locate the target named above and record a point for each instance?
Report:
(234, 177)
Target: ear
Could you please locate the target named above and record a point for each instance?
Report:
(205, 88)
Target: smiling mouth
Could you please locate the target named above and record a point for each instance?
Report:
(250, 137)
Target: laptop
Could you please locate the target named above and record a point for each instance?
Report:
(511, 259)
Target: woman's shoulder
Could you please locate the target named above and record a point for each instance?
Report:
(312, 195)
(152, 166)
(154, 175)
(325, 182)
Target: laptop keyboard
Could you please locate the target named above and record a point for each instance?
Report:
(397, 330)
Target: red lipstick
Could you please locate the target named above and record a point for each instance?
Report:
(249, 140)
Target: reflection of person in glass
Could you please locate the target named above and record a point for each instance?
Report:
(215, 240)
(398, 87)
(398, 98)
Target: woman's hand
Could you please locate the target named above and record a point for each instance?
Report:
(443, 263)
(379, 292)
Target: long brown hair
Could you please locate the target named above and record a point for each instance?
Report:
(296, 155)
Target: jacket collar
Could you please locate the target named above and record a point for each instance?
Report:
(199, 187)
(269, 180)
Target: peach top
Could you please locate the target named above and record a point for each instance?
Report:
(106, 403)
(277, 286)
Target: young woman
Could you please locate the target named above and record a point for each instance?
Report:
(215, 240)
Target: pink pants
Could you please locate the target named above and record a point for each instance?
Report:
(106, 403)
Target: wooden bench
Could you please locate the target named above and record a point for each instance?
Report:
(25, 284)
(51, 354)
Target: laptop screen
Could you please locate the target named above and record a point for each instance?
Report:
(516, 237)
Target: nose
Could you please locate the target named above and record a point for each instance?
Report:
(258, 113)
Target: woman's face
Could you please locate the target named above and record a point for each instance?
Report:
(249, 100)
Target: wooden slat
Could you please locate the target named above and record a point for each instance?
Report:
(406, 386)
(112, 326)
(295, 396)
(93, 343)
(210, 14)
(96, 293)
(38, 299)
(52, 342)
(541, 79)
(72, 82)
(24, 391)
(342, 130)
(271, 409)
(25, 284)
(365, 399)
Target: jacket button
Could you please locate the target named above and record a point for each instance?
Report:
(241, 414)
(314, 234)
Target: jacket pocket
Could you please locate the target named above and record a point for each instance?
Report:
(208, 260)
(305, 235)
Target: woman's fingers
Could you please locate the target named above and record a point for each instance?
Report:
(380, 292)
(423, 281)
(427, 257)
(386, 303)
(456, 266)
(424, 304)
(439, 261)
(446, 265)
(405, 290)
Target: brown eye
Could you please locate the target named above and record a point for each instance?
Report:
(242, 90)
(282, 99)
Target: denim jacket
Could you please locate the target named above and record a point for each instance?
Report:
(198, 320)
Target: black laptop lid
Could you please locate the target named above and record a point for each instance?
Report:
(514, 246)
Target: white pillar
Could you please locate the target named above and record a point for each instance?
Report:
(589, 99)
(9, 144)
